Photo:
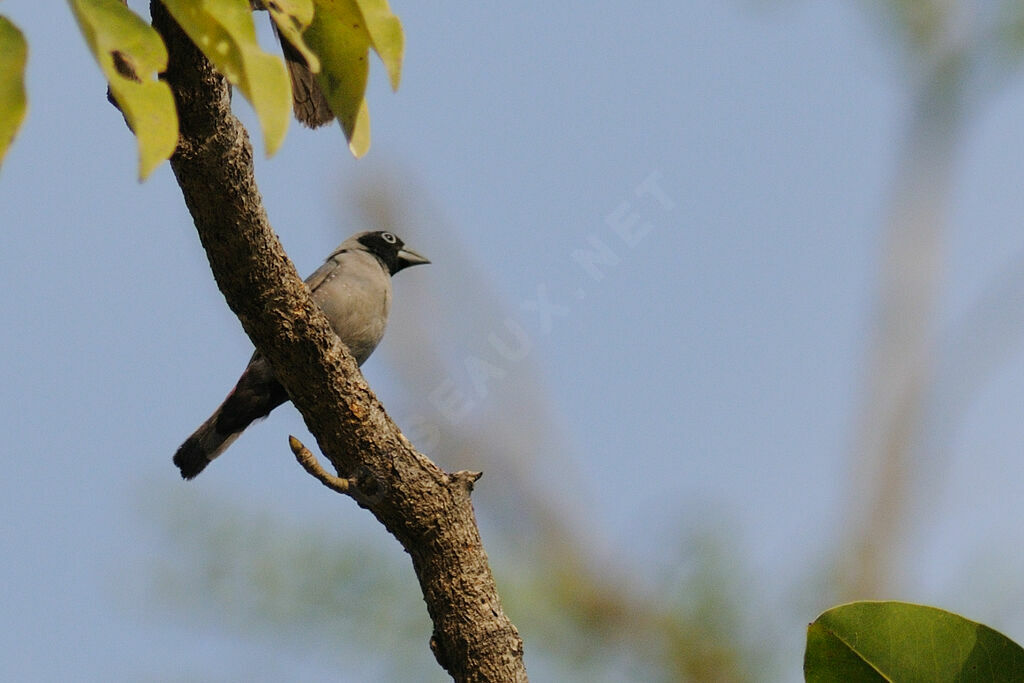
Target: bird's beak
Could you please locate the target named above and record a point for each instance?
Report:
(408, 257)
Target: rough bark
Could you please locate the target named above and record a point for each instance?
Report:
(427, 510)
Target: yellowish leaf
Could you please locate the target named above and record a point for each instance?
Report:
(359, 141)
(131, 53)
(338, 35)
(386, 36)
(13, 103)
(292, 17)
(224, 31)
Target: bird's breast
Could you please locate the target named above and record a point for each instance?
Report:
(356, 298)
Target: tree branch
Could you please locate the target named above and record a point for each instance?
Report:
(426, 509)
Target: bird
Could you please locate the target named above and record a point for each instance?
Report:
(353, 289)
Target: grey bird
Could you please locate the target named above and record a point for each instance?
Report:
(353, 288)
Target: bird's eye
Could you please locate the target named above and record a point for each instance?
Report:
(388, 237)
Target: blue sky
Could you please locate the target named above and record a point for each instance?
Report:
(714, 373)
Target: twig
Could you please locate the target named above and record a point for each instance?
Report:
(313, 467)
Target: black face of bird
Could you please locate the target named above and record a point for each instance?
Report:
(391, 250)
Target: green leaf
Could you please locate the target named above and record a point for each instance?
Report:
(896, 641)
(338, 35)
(224, 31)
(131, 53)
(13, 104)
(292, 18)
(386, 36)
(342, 33)
(359, 140)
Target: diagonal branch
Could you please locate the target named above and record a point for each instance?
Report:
(426, 509)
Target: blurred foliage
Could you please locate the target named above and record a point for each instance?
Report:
(346, 595)
(919, 24)
(956, 56)
(686, 626)
(311, 590)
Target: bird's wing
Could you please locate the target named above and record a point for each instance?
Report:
(319, 275)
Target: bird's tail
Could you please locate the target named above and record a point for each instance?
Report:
(255, 395)
(205, 444)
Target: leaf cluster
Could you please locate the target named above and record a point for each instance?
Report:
(332, 37)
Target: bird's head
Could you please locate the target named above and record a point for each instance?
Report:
(387, 247)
